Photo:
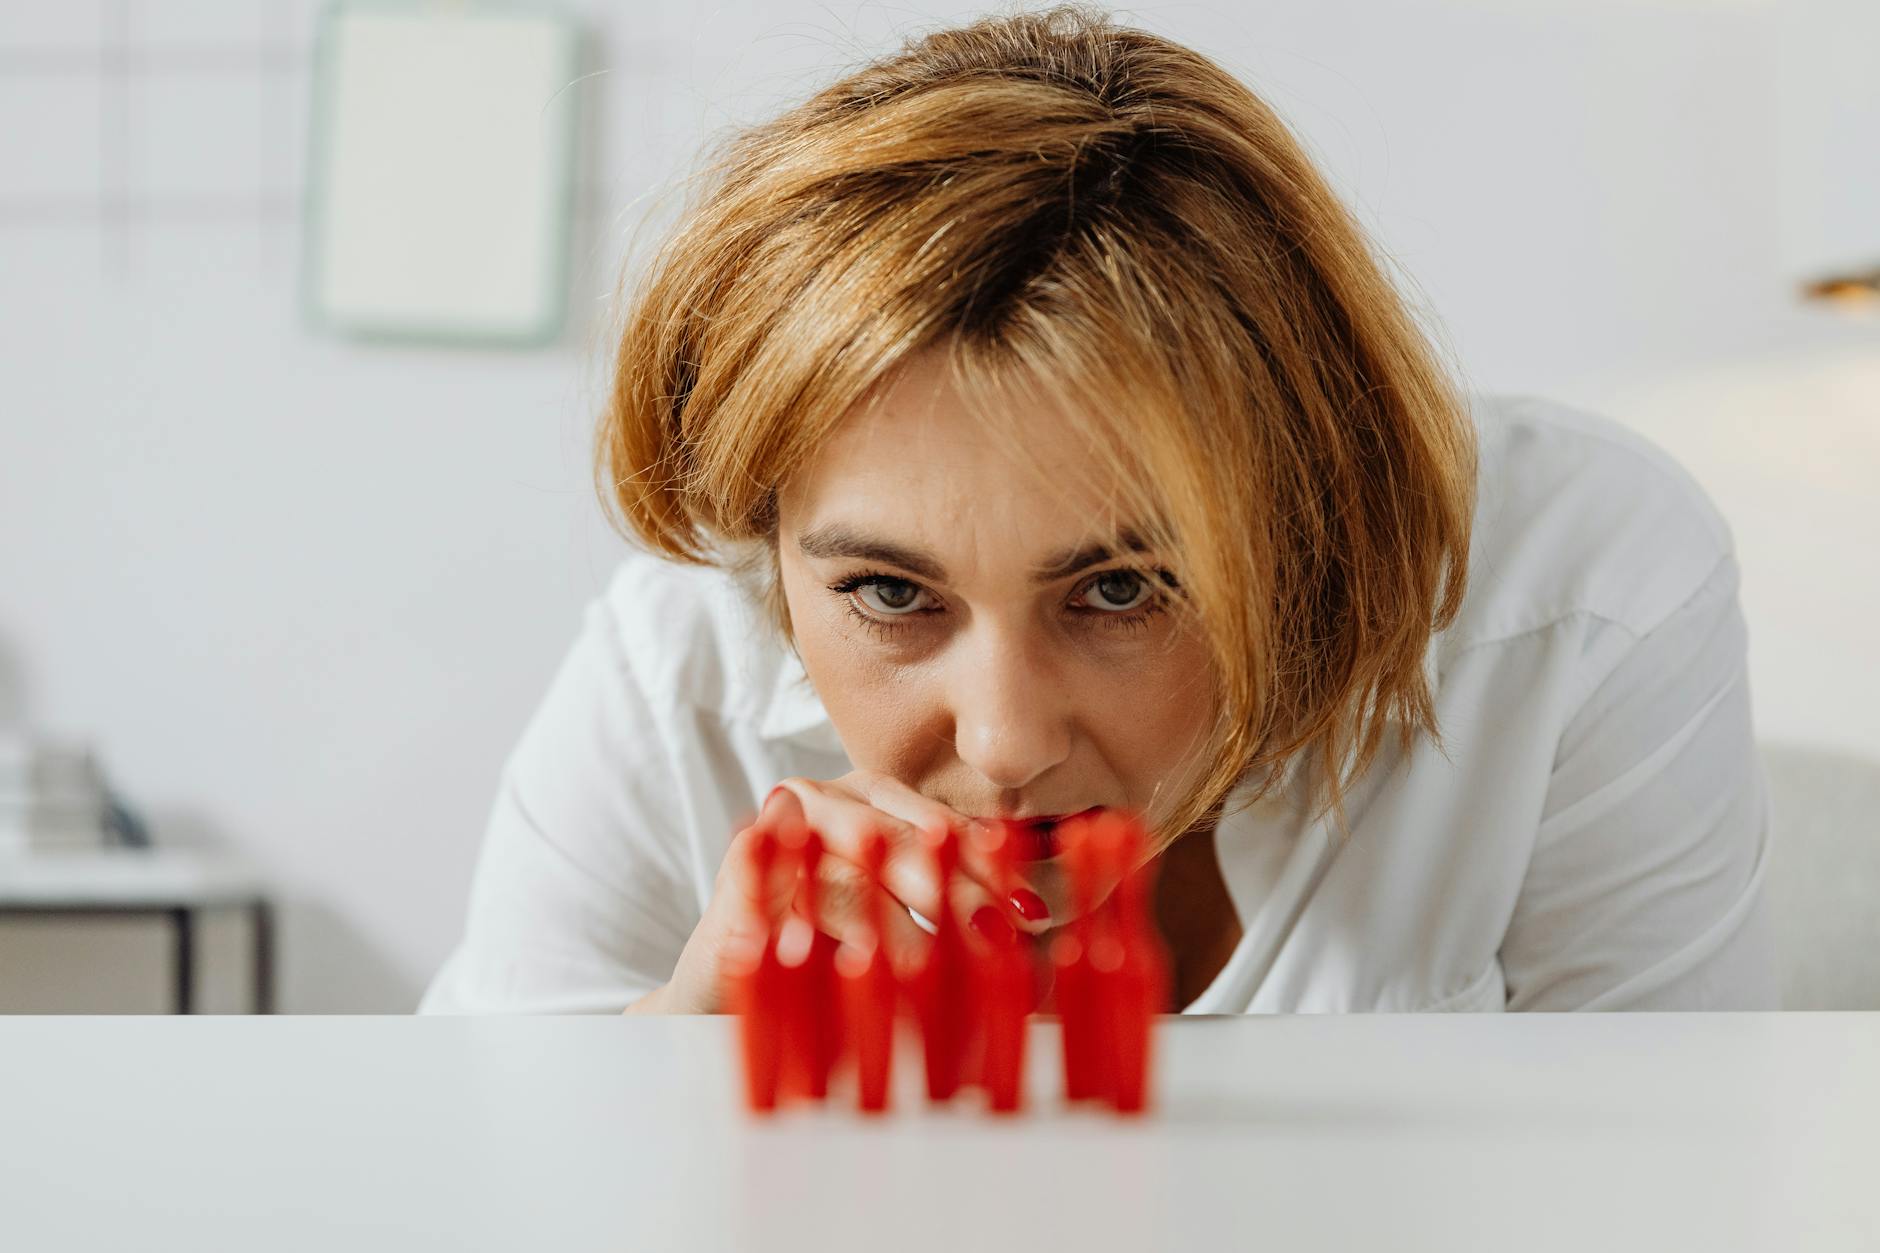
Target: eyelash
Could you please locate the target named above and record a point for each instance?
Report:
(1128, 622)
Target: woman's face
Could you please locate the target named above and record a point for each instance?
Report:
(979, 639)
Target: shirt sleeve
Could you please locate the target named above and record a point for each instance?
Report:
(1646, 888)
(580, 900)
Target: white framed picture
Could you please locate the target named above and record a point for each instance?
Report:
(440, 171)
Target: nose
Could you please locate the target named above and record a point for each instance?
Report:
(1012, 718)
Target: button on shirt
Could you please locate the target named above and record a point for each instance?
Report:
(1592, 833)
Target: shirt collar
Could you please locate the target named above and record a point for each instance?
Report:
(795, 712)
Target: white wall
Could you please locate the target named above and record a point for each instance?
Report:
(303, 593)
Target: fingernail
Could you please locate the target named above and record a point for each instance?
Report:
(992, 926)
(1030, 905)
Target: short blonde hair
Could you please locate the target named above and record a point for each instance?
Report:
(1072, 205)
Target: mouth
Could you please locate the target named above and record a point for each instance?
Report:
(1036, 838)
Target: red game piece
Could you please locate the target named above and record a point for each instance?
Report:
(792, 941)
(1105, 954)
(1073, 985)
(1140, 983)
(1005, 981)
(1110, 998)
(944, 992)
(803, 1007)
(754, 991)
(814, 1035)
(869, 989)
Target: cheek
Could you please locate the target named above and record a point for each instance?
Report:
(876, 705)
(1152, 719)
(841, 658)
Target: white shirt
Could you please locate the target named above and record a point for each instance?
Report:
(1597, 836)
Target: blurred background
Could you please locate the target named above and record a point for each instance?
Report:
(290, 544)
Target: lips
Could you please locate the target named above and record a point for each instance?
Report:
(1035, 841)
(1036, 838)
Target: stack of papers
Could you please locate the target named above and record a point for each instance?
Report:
(51, 797)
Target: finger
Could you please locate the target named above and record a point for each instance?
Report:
(985, 920)
(850, 907)
(747, 902)
(891, 796)
(923, 812)
(759, 882)
(784, 804)
(845, 821)
(911, 873)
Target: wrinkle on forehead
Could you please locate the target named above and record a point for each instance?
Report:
(918, 467)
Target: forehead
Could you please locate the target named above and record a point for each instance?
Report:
(991, 481)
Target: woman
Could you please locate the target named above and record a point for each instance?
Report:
(1021, 425)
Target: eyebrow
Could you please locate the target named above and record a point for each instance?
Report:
(837, 540)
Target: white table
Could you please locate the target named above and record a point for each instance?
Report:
(168, 882)
(1659, 1132)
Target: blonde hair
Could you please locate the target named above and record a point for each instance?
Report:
(1073, 206)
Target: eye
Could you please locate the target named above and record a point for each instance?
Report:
(891, 598)
(1115, 591)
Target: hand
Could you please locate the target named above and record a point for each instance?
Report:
(843, 812)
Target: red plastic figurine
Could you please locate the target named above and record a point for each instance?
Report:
(1005, 986)
(1075, 984)
(808, 1005)
(870, 992)
(944, 985)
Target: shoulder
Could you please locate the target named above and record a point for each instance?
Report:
(1578, 515)
(694, 638)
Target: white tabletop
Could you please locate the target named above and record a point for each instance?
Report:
(1595, 1132)
(117, 878)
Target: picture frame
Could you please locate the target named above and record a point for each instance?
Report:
(440, 172)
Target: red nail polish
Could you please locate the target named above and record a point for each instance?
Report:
(992, 926)
(1030, 905)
